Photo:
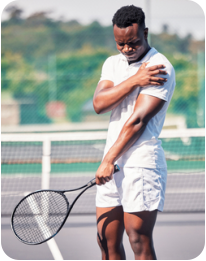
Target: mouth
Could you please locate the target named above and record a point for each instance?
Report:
(129, 55)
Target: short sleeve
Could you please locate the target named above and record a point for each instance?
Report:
(107, 70)
(163, 92)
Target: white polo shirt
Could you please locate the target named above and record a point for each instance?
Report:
(146, 152)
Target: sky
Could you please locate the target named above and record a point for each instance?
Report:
(182, 16)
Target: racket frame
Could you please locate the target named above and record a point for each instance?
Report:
(85, 187)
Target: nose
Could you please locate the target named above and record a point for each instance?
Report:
(127, 48)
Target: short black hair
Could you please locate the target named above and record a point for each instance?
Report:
(128, 15)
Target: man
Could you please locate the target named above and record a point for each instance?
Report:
(137, 86)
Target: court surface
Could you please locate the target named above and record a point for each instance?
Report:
(176, 237)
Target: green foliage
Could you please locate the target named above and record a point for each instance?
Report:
(28, 44)
(185, 97)
(39, 36)
(25, 84)
(77, 85)
(171, 43)
(76, 76)
(17, 75)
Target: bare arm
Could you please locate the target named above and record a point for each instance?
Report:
(145, 108)
(107, 96)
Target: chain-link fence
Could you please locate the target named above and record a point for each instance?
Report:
(50, 70)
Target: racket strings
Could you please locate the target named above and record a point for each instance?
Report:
(39, 216)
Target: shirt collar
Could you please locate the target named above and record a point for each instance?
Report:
(146, 58)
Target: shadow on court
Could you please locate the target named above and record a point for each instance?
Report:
(176, 237)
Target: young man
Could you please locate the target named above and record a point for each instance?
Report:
(137, 86)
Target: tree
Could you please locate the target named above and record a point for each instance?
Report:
(14, 12)
(165, 29)
(80, 52)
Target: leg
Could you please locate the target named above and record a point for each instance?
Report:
(110, 229)
(139, 227)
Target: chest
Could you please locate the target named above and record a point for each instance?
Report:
(121, 73)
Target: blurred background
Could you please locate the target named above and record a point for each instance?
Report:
(51, 59)
(52, 53)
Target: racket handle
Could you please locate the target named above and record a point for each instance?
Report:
(93, 181)
(116, 168)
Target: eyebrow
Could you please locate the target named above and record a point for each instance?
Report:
(133, 39)
(130, 40)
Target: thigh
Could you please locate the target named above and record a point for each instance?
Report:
(140, 223)
(110, 224)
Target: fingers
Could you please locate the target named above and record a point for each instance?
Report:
(158, 80)
(102, 180)
(158, 72)
(155, 67)
(156, 83)
(104, 173)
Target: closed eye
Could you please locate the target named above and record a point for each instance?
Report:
(133, 43)
(130, 43)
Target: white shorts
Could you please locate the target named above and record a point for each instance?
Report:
(135, 189)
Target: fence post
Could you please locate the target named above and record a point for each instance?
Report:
(46, 163)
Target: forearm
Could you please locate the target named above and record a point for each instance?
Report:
(146, 107)
(129, 134)
(106, 99)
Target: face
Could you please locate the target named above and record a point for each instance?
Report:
(131, 41)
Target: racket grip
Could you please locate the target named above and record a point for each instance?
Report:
(116, 168)
(93, 181)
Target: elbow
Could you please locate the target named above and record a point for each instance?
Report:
(143, 121)
(97, 110)
(97, 107)
(137, 124)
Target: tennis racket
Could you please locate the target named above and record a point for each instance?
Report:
(40, 215)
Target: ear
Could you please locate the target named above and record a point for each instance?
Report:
(146, 33)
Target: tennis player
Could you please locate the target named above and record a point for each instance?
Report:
(137, 86)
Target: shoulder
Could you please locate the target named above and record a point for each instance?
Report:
(165, 91)
(158, 58)
(114, 59)
(109, 68)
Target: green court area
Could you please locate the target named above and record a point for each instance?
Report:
(55, 168)
(182, 154)
(180, 165)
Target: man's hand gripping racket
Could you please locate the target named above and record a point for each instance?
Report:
(40, 215)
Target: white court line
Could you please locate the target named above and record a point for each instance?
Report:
(46, 233)
(54, 249)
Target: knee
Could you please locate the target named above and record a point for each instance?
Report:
(135, 241)
(109, 245)
(139, 242)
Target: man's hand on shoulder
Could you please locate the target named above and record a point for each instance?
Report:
(147, 75)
